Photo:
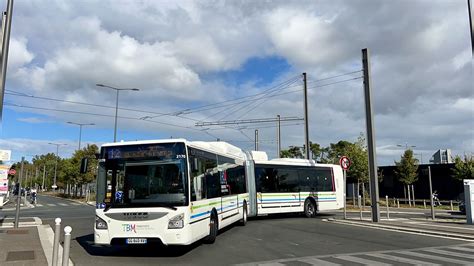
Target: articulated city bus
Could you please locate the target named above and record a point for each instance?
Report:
(176, 192)
(296, 185)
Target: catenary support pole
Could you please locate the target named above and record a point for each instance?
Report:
(374, 188)
(256, 139)
(431, 194)
(278, 136)
(306, 123)
(6, 28)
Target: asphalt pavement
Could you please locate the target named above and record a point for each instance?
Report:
(286, 239)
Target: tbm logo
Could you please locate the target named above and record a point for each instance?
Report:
(129, 228)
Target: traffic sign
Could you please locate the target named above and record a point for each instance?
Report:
(12, 172)
(345, 162)
(54, 187)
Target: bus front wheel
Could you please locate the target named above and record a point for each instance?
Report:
(213, 229)
(309, 208)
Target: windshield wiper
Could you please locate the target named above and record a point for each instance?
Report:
(107, 207)
(167, 206)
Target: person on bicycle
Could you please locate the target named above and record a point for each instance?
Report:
(33, 195)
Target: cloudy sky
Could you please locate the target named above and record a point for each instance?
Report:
(205, 61)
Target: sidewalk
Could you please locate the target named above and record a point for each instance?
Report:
(415, 221)
(21, 246)
(29, 244)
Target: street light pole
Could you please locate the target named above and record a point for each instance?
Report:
(80, 130)
(56, 164)
(116, 103)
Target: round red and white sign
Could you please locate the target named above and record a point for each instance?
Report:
(345, 162)
(12, 172)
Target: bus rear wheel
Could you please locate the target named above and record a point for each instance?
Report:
(309, 208)
(213, 229)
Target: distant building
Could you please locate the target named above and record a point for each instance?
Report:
(442, 157)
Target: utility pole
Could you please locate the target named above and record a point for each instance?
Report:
(471, 24)
(306, 130)
(431, 194)
(256, 139)
(278, 137)
(374, 188)
(6, 29)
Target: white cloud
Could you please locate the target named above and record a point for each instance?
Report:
(175, 52)
(33, 120)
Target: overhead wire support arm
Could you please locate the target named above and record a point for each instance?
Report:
(247, 121)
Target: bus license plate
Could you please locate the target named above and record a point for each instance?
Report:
(136, 241)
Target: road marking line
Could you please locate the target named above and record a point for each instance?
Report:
(463, 248)
(63, 204)
(402, 231)
(452, 253)
(360, 260)
(51, 204)
(314, 261)
(433, 257)
(400, 259)
(75, 204)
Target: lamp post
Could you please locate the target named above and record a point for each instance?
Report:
(56, 164)
(80, 130)
(116, 103)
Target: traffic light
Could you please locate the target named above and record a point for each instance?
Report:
(84, 162)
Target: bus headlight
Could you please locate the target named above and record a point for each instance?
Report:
(176, 222)
(100, 223)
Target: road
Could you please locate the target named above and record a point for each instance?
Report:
(289, 240)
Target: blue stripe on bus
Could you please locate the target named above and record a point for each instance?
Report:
(200, 214)
(283, 200)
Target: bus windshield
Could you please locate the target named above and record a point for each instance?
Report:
(147, 182)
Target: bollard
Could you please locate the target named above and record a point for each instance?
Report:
(388, 211)
(57, 232)
(398, 203)
(67, 245)
(451, 202)
(424, 204)
(360, 206)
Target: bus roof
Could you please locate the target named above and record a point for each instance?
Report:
(140, 142)
(220, 147)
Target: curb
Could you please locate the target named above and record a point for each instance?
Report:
(46, 235)
(405, 229)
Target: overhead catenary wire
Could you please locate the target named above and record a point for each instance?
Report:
(271, 89)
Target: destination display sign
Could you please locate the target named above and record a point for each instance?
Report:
(145, 151)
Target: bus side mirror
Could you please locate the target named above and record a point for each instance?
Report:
(84, 162)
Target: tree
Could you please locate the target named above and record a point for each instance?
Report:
(292, 152)
(407, 168)
(463, 169)
(70, 174)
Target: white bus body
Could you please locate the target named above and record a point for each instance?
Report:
(176, 192)
(210, 195)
